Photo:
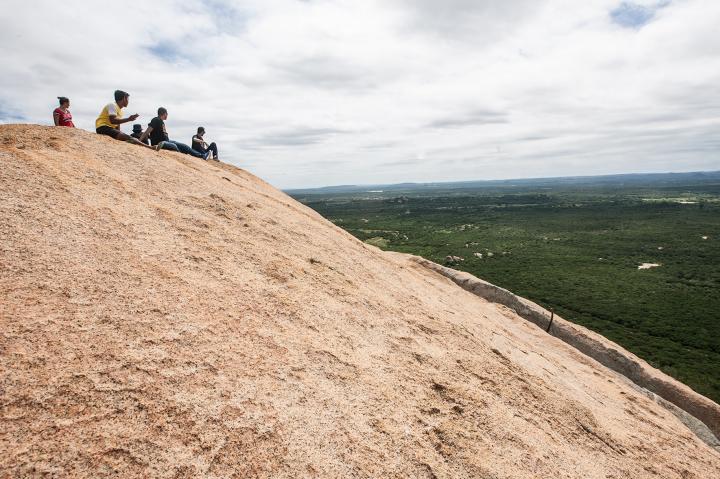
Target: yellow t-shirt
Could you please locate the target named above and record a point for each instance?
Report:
(104, 118)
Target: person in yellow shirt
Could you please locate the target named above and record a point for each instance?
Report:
(110, 118)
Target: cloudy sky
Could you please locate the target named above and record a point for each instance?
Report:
(325, 92)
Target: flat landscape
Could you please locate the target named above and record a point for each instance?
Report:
(634, 257)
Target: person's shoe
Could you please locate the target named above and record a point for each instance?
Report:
(216, 159)
(206, 156)
(159, 146)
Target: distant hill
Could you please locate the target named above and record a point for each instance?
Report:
(636, 179)
(167, 317)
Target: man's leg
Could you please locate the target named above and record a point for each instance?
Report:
(183, 148)
(122, 136)
(213, 147)
(169, 145)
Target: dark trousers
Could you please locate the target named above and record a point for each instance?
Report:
(182, 148)
(211, 147)
(168, 145)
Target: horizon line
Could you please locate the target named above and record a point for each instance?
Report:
(369, 185)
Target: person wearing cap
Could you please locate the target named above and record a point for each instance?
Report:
(198, 144)
(110, 118)
(158, 135)
(62, 115)
(137, 133)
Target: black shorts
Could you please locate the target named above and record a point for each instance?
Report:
(106, 130)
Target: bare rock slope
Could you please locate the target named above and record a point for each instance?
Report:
(161, 316)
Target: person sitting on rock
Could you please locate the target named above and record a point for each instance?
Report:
(158, 136)
(110, 118)
(198, 144)
(62, 115)
(137, 133)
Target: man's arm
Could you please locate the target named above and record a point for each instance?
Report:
(146, 133)
(116, 121)
(201, 141)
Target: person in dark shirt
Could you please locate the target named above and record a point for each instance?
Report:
(137, 133)
(199, 144)
(158, 136)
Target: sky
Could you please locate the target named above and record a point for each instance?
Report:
(326, 92)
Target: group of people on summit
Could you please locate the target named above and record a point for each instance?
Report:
(155, 135)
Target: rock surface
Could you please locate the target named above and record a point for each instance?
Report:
(696, 411)
(166, 317)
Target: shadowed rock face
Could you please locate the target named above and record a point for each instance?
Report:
(166, 317)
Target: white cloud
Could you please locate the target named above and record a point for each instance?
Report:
(329, 92)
